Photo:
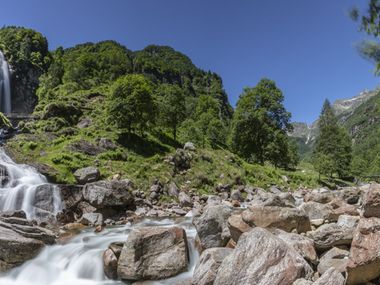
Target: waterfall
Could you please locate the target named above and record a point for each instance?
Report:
(5, 86)
(23, 188)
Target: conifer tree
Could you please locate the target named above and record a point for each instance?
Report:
(333, 153)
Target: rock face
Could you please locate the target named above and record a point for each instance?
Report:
(87, 175)
(208, 265)
(212, 226)
(261, 258)
(20, 240)
(364, 261)
(371, 201)
(153, 253)
(287, 219)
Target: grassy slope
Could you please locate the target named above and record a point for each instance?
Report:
(140, 159)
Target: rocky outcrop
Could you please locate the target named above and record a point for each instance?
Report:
(284, 218)
(212, 226)
(208, 265)
(261, 258)
(153, 253)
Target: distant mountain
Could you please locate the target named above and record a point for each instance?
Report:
(355, 114)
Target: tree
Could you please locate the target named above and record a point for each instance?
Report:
(370, 23)
(333, 153)
(260, 123)
(172, 107)
(131, 104)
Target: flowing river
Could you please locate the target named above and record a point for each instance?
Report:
(79, 261)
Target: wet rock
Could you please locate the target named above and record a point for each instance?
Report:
(334, 258)
(303, 245)
(212, 226)
(261, 258)
(364, 261)
(331, 277)
(44, 197)
(71, 195)
(330, 235)
(371, 201)
(87, 175)
(153, 253)
(287, 219)
(110, 260)
(208, 265)
(4, 175)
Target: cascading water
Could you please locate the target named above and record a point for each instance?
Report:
(79, 262)
(5, 86)
(25, 189)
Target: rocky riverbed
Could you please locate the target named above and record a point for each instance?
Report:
(108, 232)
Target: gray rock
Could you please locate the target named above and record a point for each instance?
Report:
(237, 195)
(173, 190)
(261, 258)
(348, 221)
(334, 258)
(208, 265)
(87, 175)
(371, 201)
(110, 260)
(189, 146)
(115, 193)
(287, 219)
(303, 245)
(92, 219)
(211, 226)
(331, 277)
(316, 210)
(184, 200)
(153, 253)
(302, 281)
(107, 144)
(330, 235)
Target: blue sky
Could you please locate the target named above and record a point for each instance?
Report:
(307, 47)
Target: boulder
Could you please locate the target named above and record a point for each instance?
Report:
(92, 219)
(71, 195)
(316, 211)
(303, 245)
(107, 144)
(342, 208)
(115, 193)
(287, 219)
(208, 265)
(212, 228)
(322, 196)
(237, 226)
(173, 190)
(262, 198)
(330, 235)
(334, 258)
(153, 253)
(261, 258)
(110, 260)
(20, 239)
(364, 262)
(331, 277)
(371, 201)
(351, 195)
(348, 221)
(44, 198)
(189, 146)
(87, 175)
(184, 200)
(302, 281)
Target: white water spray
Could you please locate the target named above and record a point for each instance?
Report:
(25, 189)
(5, 86)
